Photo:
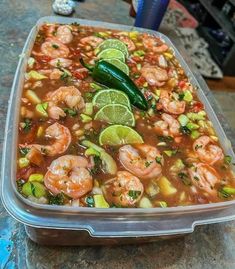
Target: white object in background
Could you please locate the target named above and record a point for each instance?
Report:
(63, 7)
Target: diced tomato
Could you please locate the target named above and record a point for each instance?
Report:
(44, 58)
(198, 106)
(140, 81)
(134, 69)
(151, 58)
(75, 51)
(181, 84)
(24, 173)
(137, 59)
(80, 73)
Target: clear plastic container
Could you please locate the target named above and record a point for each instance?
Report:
(63, 225)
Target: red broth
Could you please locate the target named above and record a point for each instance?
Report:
(180, 161)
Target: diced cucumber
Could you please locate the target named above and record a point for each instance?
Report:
(145, 203)
(177, 166)
(85, 118)
(91, 152)
(187, 96)
(139, 53)
(162, 204)
(35, 189)
(88, 109)
(41, 109)
(183, 120)
(100, 201)
(107, 160)
(192, 126)
(23, 162)
(194, 134)
(35, 75)
(196, 116)
(229, 190)
(36, 177)
(32, 96)
(152, 189)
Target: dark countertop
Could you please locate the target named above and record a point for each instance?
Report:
(210, 246)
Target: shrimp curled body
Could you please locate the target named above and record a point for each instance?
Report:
(62, 137)
(69, 174)
(204, 177)
(69, 95)
(53, 48)
(154, 75)
(142, 160)
(206, 151)
(126, 189)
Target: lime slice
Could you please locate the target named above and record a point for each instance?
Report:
(110, 96)
(111, 54)
(114, 44)
(120, 65)
(119, 135)
(116, 114)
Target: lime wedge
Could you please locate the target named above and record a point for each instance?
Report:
(120, 65)
(119, 135)
(114, 44)
(110, 96)
(116, 114)
(111, 54)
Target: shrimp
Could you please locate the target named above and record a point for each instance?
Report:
(203, 176)
(54, 48)
(143, 161)
(94, 41)
(171, 106)
(62, 137)
(130, 44)
(153, 44)
(168, 126)
(126, 189)
(69, 174)
(154, 75)
(64, 34)
(206, 151)
(70, 95)
(61, 62)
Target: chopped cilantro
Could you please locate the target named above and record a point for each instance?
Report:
(27, 125)
(147, 163)
(185, 179)
(59, 199)
(88, 96)
(134, 194)
(167, 139)
(70, 112)
(227, 159)
(55, 46)
(24, 151)
(196, 178)
(158, 159)
(198, 147)
(185, 130)
(19, 183)
(97, 167)
(90, 201)
(223, 194)
(75, 23)
(181, 96)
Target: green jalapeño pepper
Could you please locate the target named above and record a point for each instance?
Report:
(109, 75)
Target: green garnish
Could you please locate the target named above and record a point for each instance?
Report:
(90, 201)
(184, 178)
(158, 159)
(185, 130)
(167, 139)
(70, 112)
(19, 183)
(24, 151)
(55, 46)
(27, 125)
(227, 159)
(147, 163)
(59, 199)
(181, 96)
(198, 147)
(98, 165)
(134, 194)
